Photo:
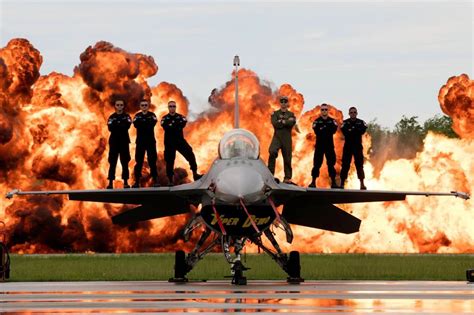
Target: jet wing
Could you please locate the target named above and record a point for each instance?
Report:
(154, 202)
(314, 207)
(191, 192)
(285, 192)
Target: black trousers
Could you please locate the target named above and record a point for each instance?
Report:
(170, 155)
(152, 156)
(319, 152)
(347, 153)
(115, 151)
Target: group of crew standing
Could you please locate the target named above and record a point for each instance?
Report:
(324, 127)
(283, 121)
(144, 121)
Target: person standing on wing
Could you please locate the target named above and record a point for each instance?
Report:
(324, 127)
(173, 124)
(145, 122)
(353, 128)
(119, 140)
(283, 122)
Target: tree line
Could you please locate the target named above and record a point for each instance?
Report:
(406, 138)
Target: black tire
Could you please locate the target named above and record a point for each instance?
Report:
(179, 264)
(239, 278)
(294, 267)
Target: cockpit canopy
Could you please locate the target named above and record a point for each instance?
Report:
(239, 143)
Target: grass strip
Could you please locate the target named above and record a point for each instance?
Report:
(113, 267)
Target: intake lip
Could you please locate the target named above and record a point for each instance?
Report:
(239, 182)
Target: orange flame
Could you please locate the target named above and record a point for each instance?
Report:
(53, 135)
(456, 98)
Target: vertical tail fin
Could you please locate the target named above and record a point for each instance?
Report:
(236, 109)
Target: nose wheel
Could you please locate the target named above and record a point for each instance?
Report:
(238, 269)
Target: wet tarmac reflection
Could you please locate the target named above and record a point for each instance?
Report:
(220, 297)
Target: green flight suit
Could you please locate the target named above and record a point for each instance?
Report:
(281, 140)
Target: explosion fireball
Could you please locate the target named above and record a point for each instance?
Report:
(53, 135)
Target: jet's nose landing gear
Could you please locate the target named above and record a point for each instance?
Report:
(293, 268)
(238, 270)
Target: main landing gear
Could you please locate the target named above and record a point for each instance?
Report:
(180, 267)
(185, 263)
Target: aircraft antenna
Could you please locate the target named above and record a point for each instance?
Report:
(236, 110)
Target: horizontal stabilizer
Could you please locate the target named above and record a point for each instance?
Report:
(324, 216)
(148, 211)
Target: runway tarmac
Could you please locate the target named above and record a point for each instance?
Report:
(263, 297)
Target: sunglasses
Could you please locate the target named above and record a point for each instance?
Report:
(324, 109)
(171, 106)
(352, 112)
(143, 105)
(283, 101)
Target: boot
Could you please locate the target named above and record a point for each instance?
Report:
(313, 183)
(155, 182)
(111, 184)
(137, 183)
(125, 184)
(342, 183)
(196, 176)
(362, 186)
(333, 183)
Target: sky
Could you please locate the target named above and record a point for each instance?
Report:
(387, 58)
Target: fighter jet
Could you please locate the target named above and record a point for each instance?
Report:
(238, 200)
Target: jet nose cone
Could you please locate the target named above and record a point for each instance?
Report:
(239, 182)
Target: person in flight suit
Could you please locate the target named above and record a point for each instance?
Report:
(173, 124)
(324, 127)
(145, 122)
(353, 129)
(283, 121)
(118, 124)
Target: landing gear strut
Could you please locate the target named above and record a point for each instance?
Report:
(237, 268)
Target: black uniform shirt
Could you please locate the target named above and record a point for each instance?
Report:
(353, 131)
(324, 130)
(145, 124)
(173, 126)
(118, 125)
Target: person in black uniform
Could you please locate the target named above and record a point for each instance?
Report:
(145, 122)
(324, 127)
(353, 129)
(173, 124)
(118, 124)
